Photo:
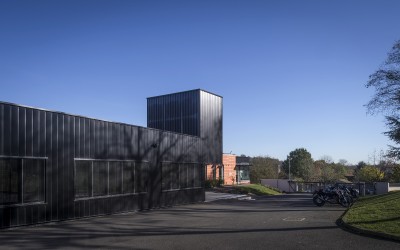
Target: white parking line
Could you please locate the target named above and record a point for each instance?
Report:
(294, 219)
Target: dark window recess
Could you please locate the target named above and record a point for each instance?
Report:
(191, 175)
(103, 178)
(115, 178)
(141, 177)
(22, 181)
(174, 176)
(83, 179)
(33, 180)
(100, 174)
(170, 176)
(10, 179)
(128, 177)
(166, 176)
(198, 179)
(183, 175)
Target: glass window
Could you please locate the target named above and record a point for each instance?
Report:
(100, 174)
(141, 177)
(183, 175)
(10, 179)
(166, 176)
(33, 180)
(102, 178)
(174, 176)
(115, 178)
(198, 178)
(83, 178)
(191, 175)
(22, 180)
(128, 177)
(244, 173)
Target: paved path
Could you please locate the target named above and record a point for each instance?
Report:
(213, 196)
(278, 222)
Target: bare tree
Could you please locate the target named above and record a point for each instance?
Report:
(386, 100)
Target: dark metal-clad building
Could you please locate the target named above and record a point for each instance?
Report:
(55, 166)
(195, 112)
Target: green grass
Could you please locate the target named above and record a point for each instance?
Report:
(380, 213)
(256, 189)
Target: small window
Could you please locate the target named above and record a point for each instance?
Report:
(174, 176)
(115, 178)
(128, 177)
(10, 179)
(198, 178)
(191, 175)
(183, 175)
(83, 179)
(100, 174)
(33, 180)
(141, 177)
(166, 176)
(22, 180)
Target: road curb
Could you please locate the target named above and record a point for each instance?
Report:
(340, 222)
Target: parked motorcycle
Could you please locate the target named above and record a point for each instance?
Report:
(337, 194)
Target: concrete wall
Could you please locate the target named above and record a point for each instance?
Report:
(381, 187)
(394, 187)
(282, 184)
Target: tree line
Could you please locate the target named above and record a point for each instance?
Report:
(304, 168)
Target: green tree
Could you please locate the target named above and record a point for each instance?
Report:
(263, 168)
(370, 174)
(301, 164)
(361, 164)
(386, 100)
(396, 174)
(340, 169)
(326, 173)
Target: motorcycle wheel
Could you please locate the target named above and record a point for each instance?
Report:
(318, 201)
(350, 199)
(344, 202)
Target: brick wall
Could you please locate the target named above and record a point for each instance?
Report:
(229, 162)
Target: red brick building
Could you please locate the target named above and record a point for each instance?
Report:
(231, 170)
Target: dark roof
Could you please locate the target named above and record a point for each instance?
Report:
(243, 161)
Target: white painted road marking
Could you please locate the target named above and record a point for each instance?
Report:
(294, 219)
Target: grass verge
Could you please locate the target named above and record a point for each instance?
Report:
(378, 214)
(256, 189)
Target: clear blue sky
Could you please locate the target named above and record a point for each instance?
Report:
(292, 73)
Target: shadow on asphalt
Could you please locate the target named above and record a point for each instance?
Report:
(69, 235)
(102, 232)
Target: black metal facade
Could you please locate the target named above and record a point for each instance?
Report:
(195, 112)
(56, 166)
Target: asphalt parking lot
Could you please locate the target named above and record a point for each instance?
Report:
(276, 222)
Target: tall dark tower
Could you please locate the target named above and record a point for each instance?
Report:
(195, 112)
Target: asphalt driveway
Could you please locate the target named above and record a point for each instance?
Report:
(276, 222)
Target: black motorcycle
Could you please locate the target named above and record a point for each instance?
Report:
(334, 195)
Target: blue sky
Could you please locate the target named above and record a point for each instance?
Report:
(292, 73)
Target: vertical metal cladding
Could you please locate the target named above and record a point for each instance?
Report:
(194, 112)
(177, 112)
(211, 127)
(55, 143)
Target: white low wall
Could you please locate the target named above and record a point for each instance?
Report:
(394, 187)
(281, 184)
